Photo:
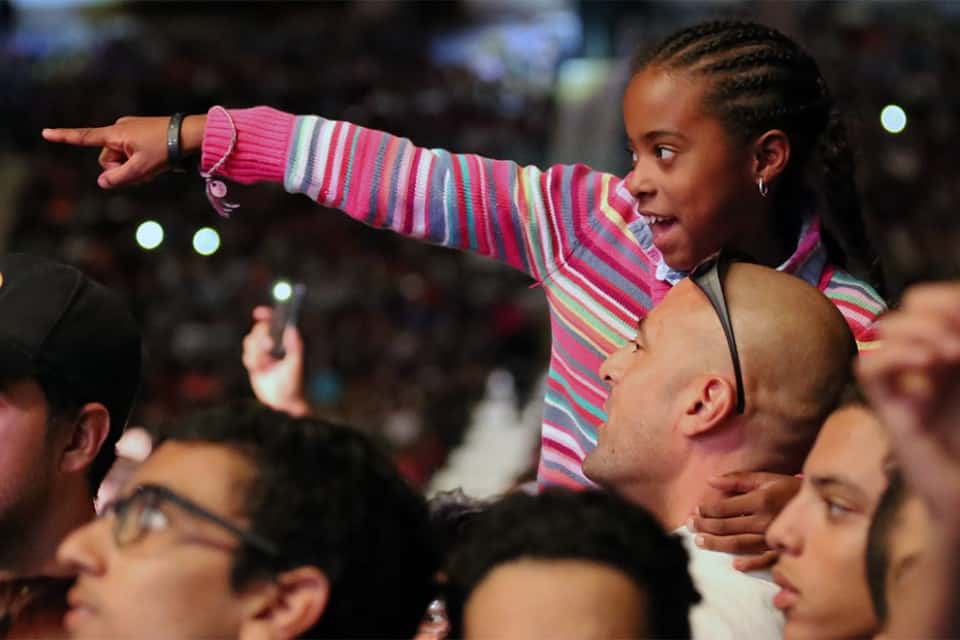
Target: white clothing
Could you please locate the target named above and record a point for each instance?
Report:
(734, 605)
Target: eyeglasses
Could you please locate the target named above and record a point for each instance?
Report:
(141, 512)
(708, 276)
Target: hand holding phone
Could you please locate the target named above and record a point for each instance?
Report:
(288, 301)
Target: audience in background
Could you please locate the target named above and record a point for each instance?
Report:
(568, 565)
(248, 523)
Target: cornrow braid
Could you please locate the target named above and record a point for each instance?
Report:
(761, 80)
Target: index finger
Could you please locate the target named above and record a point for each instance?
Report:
(84, 137)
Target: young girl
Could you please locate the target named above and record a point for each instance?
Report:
(724, 121)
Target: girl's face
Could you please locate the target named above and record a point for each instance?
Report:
(696, 189)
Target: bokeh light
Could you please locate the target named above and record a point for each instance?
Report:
(893, 118)
(149, 234)
(206, 241)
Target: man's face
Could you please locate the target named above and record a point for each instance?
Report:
(27, 463)
(638, 442)
(822, 533)
(174, 580)
(549, 599)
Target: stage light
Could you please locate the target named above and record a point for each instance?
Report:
(893, 118)
(206, 241)
(149, 235)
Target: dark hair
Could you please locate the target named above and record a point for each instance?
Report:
(878, 542)
(62, 408)
(328, 498)
(590, 525)
(452, 514)
(763, 80)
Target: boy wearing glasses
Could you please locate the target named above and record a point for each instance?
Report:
(735, 370)
(69, 371)
(245, 522)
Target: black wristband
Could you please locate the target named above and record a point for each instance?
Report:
(174, 152)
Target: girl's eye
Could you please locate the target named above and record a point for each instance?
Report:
(663, 153)
(152, 519)
(633, 155)
(635, 346)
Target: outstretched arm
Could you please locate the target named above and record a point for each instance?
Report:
(532, 219)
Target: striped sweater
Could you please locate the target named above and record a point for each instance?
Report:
(574, 230)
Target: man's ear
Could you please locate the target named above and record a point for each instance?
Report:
(709, 402)
(295, 602)
(84, 438)
(771, 154)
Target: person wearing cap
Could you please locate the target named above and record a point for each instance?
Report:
(70, 358)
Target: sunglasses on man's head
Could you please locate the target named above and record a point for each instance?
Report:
(708, 276)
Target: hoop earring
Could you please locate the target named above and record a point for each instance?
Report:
(764, 189)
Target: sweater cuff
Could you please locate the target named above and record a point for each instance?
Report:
(263, 140)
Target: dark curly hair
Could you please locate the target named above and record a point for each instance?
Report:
(762, 80)
(331, 499)
(590, 525)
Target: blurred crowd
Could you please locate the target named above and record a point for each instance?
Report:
(725, 449)
(374, 301)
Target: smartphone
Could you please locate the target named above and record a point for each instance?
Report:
(286, 312)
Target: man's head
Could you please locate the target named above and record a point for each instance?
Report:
(563, 564)
(673, 392)
(246, 522)
(822, 533)
(896, 555)
(69, 371)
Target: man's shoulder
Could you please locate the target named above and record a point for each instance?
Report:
(734, 604)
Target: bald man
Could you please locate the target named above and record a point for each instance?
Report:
(673, 421)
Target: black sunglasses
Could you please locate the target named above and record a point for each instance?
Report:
(708, 276)
(130, 520)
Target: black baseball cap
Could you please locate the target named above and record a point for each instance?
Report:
(56, 322)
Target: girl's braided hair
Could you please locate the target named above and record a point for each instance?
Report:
(762, 80)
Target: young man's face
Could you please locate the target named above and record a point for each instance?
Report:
(173, 579)
(27, 462)
(549, 599)
(822, 533)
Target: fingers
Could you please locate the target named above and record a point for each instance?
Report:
(110, 158)
(923, 328)
(130, 171)
(256, 347)
(756, 562)
(741, 505)
(262, 313)
(745, 544)
(83, 137)
(739, 481)
(292, 342)
(730, 526)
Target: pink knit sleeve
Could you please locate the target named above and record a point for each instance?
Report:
(263, 140)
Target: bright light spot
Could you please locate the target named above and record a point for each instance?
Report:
(282, 291)
(893, 118)
(206, 241)
(149, 235)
